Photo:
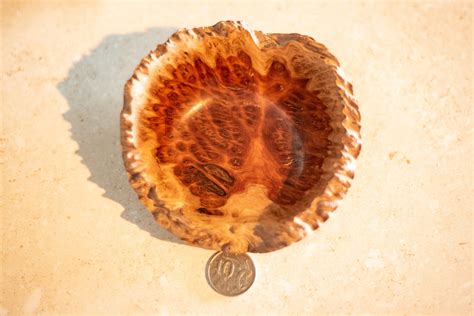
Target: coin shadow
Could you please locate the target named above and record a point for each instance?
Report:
(93, 89)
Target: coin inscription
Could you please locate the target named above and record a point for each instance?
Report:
(230, 274)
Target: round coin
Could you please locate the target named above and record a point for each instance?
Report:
(230, 274)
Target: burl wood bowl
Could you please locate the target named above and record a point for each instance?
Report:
(239, 140)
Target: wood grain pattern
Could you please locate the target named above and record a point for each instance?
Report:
(239, 140)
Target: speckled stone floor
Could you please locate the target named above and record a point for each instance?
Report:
(75, 240)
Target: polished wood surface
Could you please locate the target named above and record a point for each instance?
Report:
(239, 140)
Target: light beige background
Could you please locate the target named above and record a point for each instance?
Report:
(75, 240)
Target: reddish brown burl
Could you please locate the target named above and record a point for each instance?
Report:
(239, 140)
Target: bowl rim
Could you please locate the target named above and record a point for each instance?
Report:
(336, 187)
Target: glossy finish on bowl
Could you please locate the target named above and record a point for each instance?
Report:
(240, 140)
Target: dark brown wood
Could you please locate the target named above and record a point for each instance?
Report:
(239, 140)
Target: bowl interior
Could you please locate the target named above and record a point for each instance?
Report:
(228, 128)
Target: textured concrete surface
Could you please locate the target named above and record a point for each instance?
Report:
(75, 240)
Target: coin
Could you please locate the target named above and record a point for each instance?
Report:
(230, 274)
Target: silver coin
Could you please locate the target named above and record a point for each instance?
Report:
(230, 274)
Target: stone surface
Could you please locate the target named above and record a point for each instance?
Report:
(75, 239)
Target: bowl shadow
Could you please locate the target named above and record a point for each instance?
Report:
(93, 89)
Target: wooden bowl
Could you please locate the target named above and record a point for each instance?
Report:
(239, 140)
